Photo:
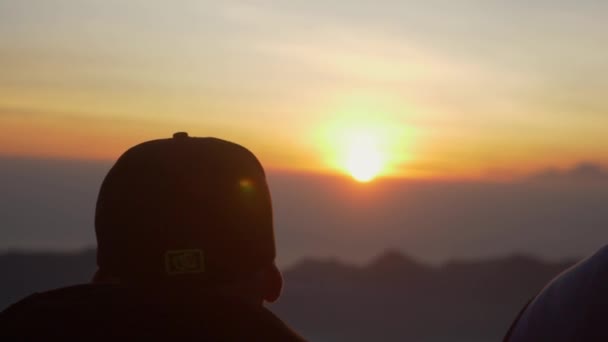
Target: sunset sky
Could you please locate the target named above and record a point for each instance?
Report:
(440, 88)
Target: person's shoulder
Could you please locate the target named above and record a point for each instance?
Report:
(42, 310)
(233, 319)
(570, 306)
(272, 328)
(38, 300)
(104, 312)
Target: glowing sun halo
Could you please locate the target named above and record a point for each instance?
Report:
(364, 160)
(363, 147)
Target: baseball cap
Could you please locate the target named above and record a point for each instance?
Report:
(184, 208)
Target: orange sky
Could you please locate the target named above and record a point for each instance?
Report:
(474, 90)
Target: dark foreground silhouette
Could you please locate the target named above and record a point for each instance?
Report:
(393, 298)
(185, 251)
(154, 313)
(572, 307)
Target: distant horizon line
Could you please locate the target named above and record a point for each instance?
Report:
(388, 252)
(600, 168)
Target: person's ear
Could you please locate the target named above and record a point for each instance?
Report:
(273, 284)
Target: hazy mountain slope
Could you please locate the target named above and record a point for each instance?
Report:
(393, 298)
(24, 273)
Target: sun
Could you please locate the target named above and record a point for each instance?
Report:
(362, 145)
(364, 160)
(361, 150)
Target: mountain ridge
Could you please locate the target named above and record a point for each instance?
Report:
(394, 297)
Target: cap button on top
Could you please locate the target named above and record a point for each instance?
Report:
(180, 135)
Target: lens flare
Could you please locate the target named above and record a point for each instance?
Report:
(246, 185)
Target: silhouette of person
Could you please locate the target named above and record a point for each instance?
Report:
(186, 250)
(572, 307)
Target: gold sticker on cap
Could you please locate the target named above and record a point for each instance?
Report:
(184, 261)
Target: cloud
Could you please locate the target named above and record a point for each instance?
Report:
(583, 171)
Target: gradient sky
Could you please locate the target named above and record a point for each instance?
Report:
(455, 88)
